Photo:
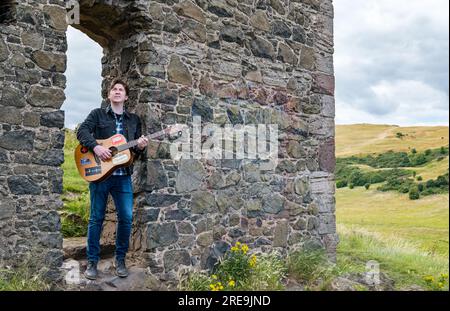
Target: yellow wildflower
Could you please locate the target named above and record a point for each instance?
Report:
(238, 244)
(231, 283)
(444, 275)
(252, 261)
(214, 277)
(428, 278)
(440, 285)
(244, 248)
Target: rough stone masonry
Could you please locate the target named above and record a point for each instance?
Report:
(230, 62)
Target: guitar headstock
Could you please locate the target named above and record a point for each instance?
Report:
(175, 129)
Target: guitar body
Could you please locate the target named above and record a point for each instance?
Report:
(92, 169)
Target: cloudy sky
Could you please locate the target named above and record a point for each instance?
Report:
(391, 64)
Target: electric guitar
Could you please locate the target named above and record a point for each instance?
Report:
(92, 168)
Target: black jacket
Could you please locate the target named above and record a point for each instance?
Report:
(101, 124)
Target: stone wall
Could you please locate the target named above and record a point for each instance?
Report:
(230, 62)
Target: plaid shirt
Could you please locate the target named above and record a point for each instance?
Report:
(119, 130)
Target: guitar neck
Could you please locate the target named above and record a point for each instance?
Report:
(134, 143)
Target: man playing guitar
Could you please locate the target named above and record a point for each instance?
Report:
(103, 123)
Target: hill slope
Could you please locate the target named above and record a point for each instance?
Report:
(408, 238)
(373, 138)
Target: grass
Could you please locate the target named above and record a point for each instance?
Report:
(370, 138)
(424, 222)
(402, 261)
(75, 214)
(410, 239)
(27, 274)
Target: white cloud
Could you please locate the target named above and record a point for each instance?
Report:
(391, 64)
(391, 61)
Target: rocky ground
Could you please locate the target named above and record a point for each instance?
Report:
(141, 279)
(75, 263)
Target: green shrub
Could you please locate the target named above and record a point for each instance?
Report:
(420, 187)
(351, 186)
(393, 159)
(414, 193)
(419, 178)
(376, 178)
(418, 159)
(367, 186)
(341, 184)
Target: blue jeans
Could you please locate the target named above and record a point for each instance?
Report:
(121, 190)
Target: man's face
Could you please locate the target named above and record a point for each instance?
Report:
(117, 94)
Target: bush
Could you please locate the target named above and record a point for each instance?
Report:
(438, 284)
(404, 188)
(367, 186)
(419, 178)
(420, 187)
(414, 193)
(418, 160)
(341, 184)
(430, 183)
(238, 270)
(376, 178)
(351, 186)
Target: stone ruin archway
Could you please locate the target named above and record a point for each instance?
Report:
(230, 62)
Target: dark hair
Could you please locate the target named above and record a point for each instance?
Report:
(119, 81)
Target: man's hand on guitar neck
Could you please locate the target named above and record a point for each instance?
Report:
(103, 153)
(142, 142)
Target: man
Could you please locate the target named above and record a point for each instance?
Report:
(103, 123)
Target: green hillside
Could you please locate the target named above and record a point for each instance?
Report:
(408, 237)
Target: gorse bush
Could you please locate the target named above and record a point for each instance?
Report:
(239, 270)
(439, 283)
(235, 268)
